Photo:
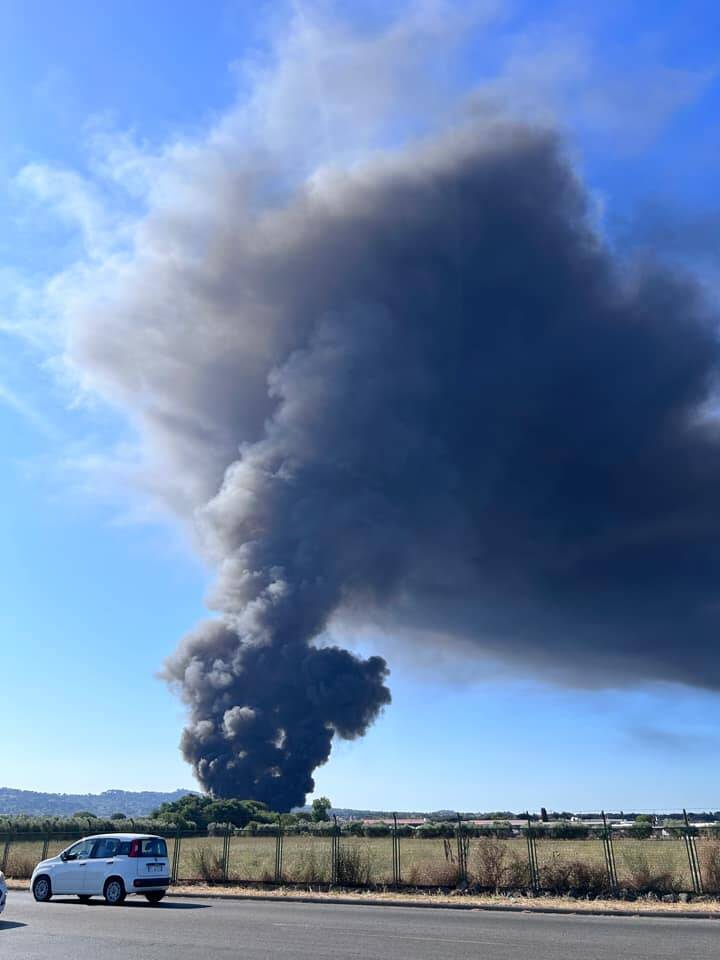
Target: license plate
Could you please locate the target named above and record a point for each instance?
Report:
(155, 867)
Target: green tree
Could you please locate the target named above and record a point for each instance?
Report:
(201, 811)
(643, 827)
(320, 809)
(237, 812)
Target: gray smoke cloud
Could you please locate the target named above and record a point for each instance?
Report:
(479, 425)
(419, 391)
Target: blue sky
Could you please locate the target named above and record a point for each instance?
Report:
(96, 586)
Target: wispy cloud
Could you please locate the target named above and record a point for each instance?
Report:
(28, 412)
(677, 741)
(556, 77)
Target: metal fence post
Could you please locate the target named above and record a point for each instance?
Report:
(532, 858)
(176, 857)
(226, 852)
(461, 851)
(46, 844)
(279, 851)
(396, 852)
(692, 856)
(335, 851)
(609, 855)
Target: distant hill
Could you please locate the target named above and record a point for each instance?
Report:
(104, 804)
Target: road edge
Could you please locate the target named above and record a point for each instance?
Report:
(489, 907)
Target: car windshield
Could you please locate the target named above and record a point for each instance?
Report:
(79, 851)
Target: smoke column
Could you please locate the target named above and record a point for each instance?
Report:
(477, 425)
(415, 391)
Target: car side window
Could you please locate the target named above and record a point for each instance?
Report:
(79, 851)
(107, 847)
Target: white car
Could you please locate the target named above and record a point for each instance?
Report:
(3, 891)
(111, 865)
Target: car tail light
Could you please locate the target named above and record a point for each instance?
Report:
(134, 849)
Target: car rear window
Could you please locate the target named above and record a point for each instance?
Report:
(153, 847)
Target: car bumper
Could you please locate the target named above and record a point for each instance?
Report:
(148, 883)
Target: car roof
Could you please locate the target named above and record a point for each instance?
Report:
(123, 836)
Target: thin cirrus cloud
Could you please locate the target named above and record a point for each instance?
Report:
(34, 418)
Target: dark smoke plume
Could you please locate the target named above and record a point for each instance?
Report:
(421, 393)
(478, 425)
(264, 713)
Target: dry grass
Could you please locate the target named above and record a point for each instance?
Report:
(20, 865)
(642, 862)
(208, 864)
(518, 902)
(495, 865)
(709, 857)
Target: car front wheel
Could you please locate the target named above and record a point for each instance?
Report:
(114, 891)
(155, 896)
(42, 890)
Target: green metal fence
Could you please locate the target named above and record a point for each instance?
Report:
(600, 864)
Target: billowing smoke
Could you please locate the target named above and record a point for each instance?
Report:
(418, 392)
(479, 425)
(293, 697)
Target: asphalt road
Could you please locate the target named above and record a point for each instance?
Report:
(261, 930)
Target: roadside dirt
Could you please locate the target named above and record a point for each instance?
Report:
(644, 906)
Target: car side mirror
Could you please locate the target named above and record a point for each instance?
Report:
(64, 856)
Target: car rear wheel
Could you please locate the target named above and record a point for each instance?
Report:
(114, 891)
(42, 890)
(84, 897)
(155, 896)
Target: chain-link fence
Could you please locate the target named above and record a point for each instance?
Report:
(683, 859)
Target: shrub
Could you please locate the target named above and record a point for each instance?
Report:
(646, 877)
(311, 868)
(355, 828)
(576, 877)
(490, 864)
(433, 874)
(266, 830)
(208, 864)
(561, 831)
(517, 873)
(377, 830)
(709, 856)
(354, 866)
(432, 830)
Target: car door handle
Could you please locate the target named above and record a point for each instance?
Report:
(109, 861)
(82, 864)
